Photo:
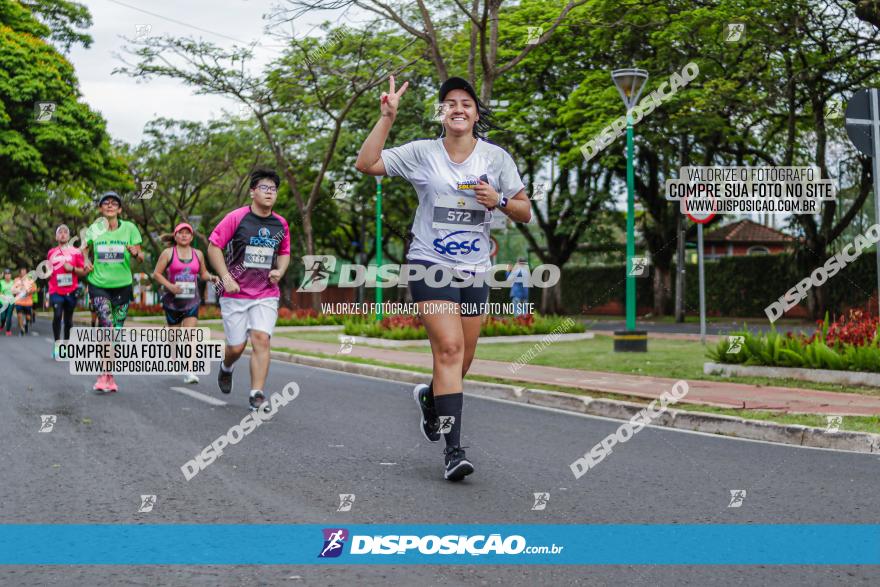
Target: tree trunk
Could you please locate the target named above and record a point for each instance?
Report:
(551, 299)
(662, 289)
(679, 272)
(309, 242)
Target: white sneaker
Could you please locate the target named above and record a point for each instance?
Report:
(190, 378)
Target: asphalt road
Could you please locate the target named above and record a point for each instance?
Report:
(352, 434)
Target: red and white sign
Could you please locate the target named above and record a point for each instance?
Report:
(702, 217)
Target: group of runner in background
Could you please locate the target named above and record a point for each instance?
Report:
(253, 240)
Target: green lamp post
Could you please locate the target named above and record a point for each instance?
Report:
(378, 245)
(630, 83)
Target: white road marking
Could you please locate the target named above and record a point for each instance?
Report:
(200, 396)
(387, 463)
(664, 428)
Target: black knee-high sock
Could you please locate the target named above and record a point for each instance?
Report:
(450, 405)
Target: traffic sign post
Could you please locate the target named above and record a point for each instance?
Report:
(702, 279)
(863, 129)
(701, 218)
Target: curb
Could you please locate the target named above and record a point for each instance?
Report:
(815, 375)
(860, 442)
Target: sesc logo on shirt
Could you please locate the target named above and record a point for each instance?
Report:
(453, 247)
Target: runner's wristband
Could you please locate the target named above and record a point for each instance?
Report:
(502, 203)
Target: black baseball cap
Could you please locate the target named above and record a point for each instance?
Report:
(106, 195)
(457, 83)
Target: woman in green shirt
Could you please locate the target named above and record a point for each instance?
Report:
(114, 242)
(7, 302)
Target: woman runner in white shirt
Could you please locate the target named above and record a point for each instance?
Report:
(461, 180)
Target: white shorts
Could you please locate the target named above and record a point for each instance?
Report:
(240, 316)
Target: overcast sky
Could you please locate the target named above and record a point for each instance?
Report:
(127, 105)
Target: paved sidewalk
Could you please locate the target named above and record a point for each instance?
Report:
(712, 393)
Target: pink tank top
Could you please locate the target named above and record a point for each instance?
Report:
(184, 275)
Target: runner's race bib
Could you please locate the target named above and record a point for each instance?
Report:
(458, 213)
(258, 257)
(110, 253)
(64, 279)
(187, 290)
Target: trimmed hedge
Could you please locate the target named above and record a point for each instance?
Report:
(735, 286)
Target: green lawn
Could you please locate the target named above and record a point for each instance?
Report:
(781, 324)
(313, 335)
(677, 359)
(854, 423)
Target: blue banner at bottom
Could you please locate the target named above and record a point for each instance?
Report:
(228, 544)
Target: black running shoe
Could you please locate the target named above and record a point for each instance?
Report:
(224, 380)
(257, 401)
(457, 465)
(429, 423)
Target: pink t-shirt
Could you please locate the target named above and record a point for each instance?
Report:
(252, 244)
(63, 282)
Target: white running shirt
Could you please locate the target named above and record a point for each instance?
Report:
(451, 228)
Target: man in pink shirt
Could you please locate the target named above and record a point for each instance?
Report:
(250, 251)
(67, 264)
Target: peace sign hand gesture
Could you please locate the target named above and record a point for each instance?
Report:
(391, 98)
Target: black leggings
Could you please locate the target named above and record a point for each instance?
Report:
(62, 307)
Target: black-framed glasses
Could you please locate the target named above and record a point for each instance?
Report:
(267, 189)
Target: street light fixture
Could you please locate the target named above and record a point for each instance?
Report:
(630, 83)
(378, 246)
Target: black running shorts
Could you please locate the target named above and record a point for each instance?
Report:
(473, 297)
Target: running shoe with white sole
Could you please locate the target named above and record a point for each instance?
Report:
(105, 383)
(100, 384)
(457, 465)
(190, 378)
(429, 423)
(258, 400)
(224, 380)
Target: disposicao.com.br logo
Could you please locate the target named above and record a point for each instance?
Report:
(451, 544)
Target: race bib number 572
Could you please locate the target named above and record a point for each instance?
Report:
(458, 213)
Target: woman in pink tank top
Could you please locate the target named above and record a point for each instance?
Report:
(178, 270)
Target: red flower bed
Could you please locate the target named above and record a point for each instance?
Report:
(524, 320)
(400, 321)
(856, 328)
(145, 310)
